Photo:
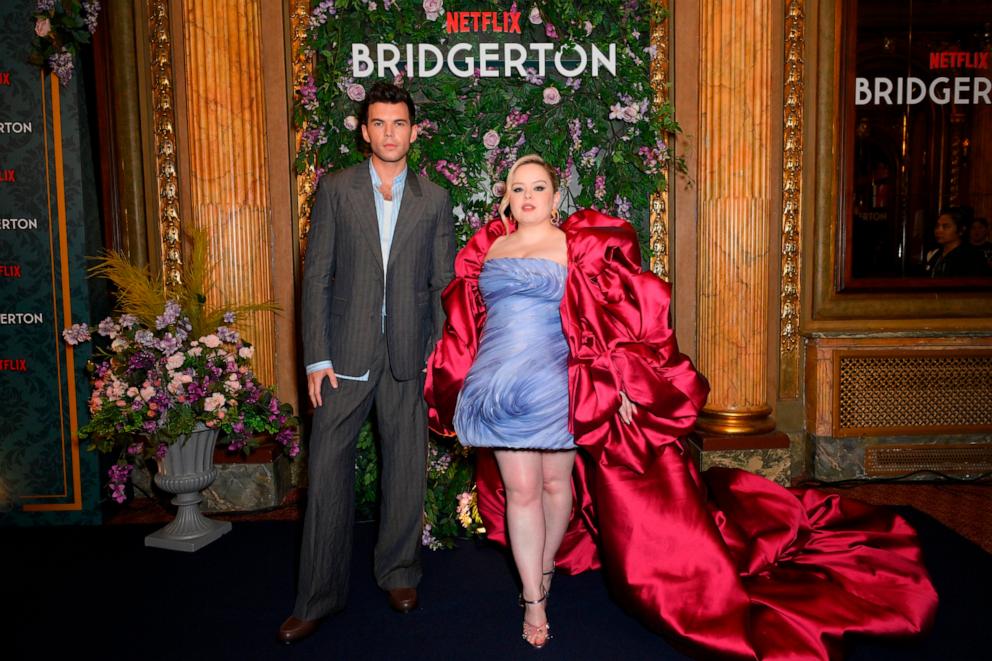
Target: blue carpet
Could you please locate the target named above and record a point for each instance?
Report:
(99, 593)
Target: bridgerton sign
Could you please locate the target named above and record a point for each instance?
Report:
(487, 60)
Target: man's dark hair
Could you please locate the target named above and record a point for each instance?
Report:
(383, 92)
(981, 221)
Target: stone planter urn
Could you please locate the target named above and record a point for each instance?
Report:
(185, 470)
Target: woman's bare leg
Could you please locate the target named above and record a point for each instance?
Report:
(557, 500)
(522, 473)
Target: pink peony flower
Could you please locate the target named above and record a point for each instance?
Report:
(211, 341)
(433, 9)
(552, 96)
(42, 27)
(356, 92)
(490, 139)
(214, 401)
(351, 122)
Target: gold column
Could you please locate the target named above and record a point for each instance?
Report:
(229, 181)
(735, 204)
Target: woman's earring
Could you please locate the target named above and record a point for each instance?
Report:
(555, 217)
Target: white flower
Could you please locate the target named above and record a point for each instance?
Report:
(433, 9)
(535, 16)
(119, 344)
(351, 122)
(246, 352)
(211, 341)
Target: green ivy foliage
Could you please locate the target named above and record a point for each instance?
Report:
(612, 164)
(609, 142)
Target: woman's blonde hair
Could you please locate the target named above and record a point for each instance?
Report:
(504, 204)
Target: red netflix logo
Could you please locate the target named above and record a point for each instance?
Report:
(14, 365)
(7, 177)
(959, 60)
(4, 78)
(482, 21)
(10, 270)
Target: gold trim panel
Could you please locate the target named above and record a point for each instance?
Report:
(164, 121)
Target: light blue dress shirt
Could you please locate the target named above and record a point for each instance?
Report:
(386, 230)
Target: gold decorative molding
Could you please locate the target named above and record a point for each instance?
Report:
(306, 181)
(164, 121)
(792, 177)
(658, 225)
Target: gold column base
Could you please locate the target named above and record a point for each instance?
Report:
(756, 421)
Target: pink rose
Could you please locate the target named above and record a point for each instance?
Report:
(211, 341)
(499, 189)
(356, 92)
(351, 122)
(246, 352)
(490, 139)
(42, 27)
(552, 96)
(433, 9)
(535, 16)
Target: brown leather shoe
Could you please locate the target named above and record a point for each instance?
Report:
(293, 630)
(403, 600)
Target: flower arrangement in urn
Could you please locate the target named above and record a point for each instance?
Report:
(173, 364)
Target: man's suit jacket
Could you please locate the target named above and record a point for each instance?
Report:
(343, 274)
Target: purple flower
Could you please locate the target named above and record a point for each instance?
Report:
(356, 92)
(549, 30)
(128, 320)
(161, 451)
(532, 76)
(75, 334)
(321, 13)
(623, 206)
(516, 118)
(229, 317)
(108, 328)
(600, 190)
(91, 9)
(45, 5)
(61, 65)
(228, 335)
(169, 316)
(552, 96)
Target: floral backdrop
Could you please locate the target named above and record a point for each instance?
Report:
(603, 134)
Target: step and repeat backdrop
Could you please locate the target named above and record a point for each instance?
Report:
(49, 223)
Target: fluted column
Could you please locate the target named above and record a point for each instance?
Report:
(229, 181)
(735, 203)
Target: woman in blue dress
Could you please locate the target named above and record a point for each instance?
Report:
(515, 397)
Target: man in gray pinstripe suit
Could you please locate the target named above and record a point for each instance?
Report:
(380, 251)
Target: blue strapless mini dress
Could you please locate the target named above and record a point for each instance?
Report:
(516, 393)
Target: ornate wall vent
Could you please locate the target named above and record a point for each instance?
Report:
(901, 459)
(910, 394)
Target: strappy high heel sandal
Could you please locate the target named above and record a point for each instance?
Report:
(543, 632)
(551, 573)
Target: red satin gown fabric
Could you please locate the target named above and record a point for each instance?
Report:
(727, 564)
